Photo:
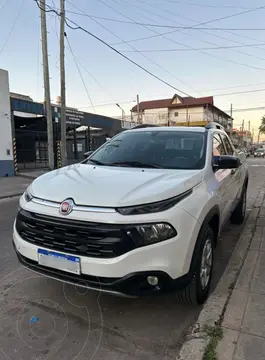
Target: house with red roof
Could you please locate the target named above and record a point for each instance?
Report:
(181, 111)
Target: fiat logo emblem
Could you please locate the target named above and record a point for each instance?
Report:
(66, 207)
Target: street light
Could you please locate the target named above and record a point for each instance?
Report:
(122, 111)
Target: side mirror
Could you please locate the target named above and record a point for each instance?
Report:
(88, 153)
(227, 162)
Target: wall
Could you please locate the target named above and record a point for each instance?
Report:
(178, 116)
(192, 116)
(187, 115)
(155, 116)
(6, 145)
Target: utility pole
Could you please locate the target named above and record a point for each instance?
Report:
(259, 137)
(46, 78)
(243, 121)
(138, 110)
(231, 115)
(62, 72)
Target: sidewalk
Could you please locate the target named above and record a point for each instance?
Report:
(32, 174)
(16, 185)
(13, 186)
(244, 318)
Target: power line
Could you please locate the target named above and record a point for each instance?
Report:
(202, 23)
(257, 108)
(157, 25)
(12, 27)
(146, 57)
(221, 37)
(208, 5)
(78, 27)
(240, 92)
(187, 46)
(80, 74)
(160, 25)
(234, 87)
(206, 32)
(165, 82)
(3, 6)
(232, 93)
(96, 81)
(195, 49)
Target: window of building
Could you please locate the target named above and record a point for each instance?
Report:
(176, 114)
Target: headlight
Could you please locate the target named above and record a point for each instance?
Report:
(153, 207)
(147, 234)
(27, 196)
(255, 153)
(156, 232)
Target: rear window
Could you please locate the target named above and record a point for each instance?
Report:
(166, 149)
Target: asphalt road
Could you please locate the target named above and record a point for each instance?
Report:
(44, 319)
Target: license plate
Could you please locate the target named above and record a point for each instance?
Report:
(59, 261)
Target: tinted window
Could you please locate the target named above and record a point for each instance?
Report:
(218, 147)
(165, 149)
(229, 149)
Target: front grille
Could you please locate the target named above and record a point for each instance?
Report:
(75, 237)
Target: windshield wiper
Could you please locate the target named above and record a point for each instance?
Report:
(135, 164)
(96, 162)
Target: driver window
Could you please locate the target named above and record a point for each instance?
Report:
(228, 146)
(218, 148)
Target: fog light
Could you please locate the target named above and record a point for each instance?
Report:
(152, 280)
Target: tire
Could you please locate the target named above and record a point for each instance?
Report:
(196, 292)
(238, 215)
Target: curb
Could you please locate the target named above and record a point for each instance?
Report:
(31, 177)
(212, 313)
(11, 195)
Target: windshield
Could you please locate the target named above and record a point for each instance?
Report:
(158, 149)
(260, 150)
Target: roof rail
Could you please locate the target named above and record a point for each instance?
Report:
(214, 125)
(141, 126)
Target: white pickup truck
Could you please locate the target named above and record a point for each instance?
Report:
(140, 216)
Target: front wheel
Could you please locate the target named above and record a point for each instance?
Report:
(197, 291)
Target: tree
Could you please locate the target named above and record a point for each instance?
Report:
(262, 125)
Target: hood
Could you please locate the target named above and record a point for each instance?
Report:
(107, 186)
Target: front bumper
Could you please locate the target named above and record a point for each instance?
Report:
(125, 274)
(132, 285)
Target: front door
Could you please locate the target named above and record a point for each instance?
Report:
(224, 180)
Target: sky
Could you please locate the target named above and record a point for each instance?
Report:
(107, 78)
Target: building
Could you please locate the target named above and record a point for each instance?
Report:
(241, 139)
(182, 111)
(6, 141)
(23, 135)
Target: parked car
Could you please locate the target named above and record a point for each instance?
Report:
(141, 216)
(259, 152)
